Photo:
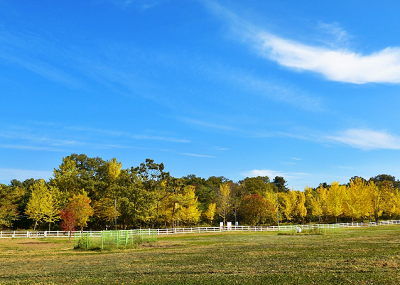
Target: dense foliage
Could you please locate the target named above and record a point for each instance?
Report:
(94, 193)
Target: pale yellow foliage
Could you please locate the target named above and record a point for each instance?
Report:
(224, 202)
(289, 206)
(210, 212)
(40, 203)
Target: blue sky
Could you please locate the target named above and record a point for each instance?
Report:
(305, 90)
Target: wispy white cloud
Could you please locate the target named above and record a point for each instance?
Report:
(367, 139)
(114, 133)
(277, 91)
(207, 125)
(7, 174)
(29, 147)
(196, 155)
(336, 64)
(45, 70)
(218, 148)
(33, 52)
(340, 36)
(56, 137)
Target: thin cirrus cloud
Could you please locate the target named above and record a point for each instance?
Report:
(367, 139)
(196, 155)
(335, 63)
(22, 174)
(55, 137)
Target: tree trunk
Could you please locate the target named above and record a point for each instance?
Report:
(376, 218)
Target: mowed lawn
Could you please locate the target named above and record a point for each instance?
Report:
(353, 256)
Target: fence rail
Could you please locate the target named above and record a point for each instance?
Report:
(172, 231)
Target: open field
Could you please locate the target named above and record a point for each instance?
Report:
(352, 256)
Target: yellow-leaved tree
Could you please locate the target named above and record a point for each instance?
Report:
(189, 213)
(41, 204)
(289, 204)
(52, 212)
(301, 205)
(210, 212)
(224, 203)
(396, 202)
(381, 197)
(357, 203)
(335, 198)
(318, 201)
(113, 170)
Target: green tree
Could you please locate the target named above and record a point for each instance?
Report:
(281, 184)
(255, 185)
(135, 201)
(66, 180)
(158, 184)
(9, 200)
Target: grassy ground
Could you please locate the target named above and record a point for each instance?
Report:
(356, 256)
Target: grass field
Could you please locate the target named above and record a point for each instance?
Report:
(353, 256)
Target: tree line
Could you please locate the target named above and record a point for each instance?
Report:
(93, 193)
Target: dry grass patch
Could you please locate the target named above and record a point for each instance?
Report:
(361, 256)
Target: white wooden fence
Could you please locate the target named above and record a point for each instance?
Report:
(172, 231)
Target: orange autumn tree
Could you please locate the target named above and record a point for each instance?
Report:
(255, 210)
(80, 205)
